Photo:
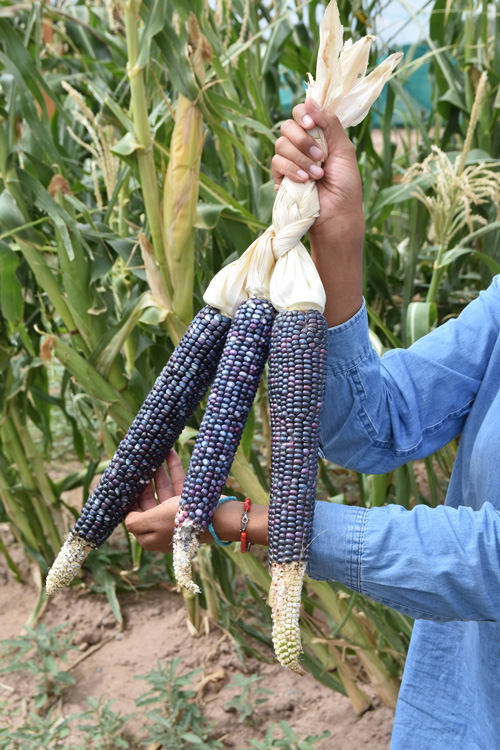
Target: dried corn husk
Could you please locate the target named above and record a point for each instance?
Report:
(249, 276)
(290, 278)
(340, 87)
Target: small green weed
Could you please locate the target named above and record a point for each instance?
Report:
(103, 727)
(289, 741)
(40, 652)
(35, 732)
(175, 721)
(246, 701)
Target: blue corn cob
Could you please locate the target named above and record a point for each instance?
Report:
(168, 407)
(297, 372)
(230, 400)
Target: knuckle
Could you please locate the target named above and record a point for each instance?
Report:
(280, 145)
(332, 118)
(298, 111)
(285, 126)
(129, 524)
(305, 142)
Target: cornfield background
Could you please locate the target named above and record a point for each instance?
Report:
(135, 148)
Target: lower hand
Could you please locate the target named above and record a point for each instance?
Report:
(152, 523)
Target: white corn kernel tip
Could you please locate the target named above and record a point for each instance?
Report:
(185, 545)
(284, 599)
(67, 563)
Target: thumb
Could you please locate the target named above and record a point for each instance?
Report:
(336, 137)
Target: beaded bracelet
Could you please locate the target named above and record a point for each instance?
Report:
(244, 543)
(211, 528)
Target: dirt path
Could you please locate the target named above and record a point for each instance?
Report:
(155, 628)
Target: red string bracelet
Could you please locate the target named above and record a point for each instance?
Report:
(244, 543)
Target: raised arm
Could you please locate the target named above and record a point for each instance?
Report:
(378, 414)
(337, 234)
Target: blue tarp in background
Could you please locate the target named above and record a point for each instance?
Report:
(416, 85)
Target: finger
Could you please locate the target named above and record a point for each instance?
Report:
(177, 473)
(159, 520)
(282, 167)
(336, 137)
(152, 542)
(139, 522)
(301, 115)
(301, 140)
(133, 521)
(299, 151)
(278, 179)
(147, 500)
(163, 484)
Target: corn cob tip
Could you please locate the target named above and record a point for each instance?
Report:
(185, 545)
(284, 599)
(67, 563)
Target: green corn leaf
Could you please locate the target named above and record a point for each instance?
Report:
(61, 218)
(19, 58)
(279, 35)
(113, 341)
(92, 382)
(12, 219)
(491, 227)
(105, 583)
(420, 318)
(491, 263)
(378, 322)
(183, 8)
(248, 434)
(208, 214)
(172, 49)
(37, 127)
(395, 194)
(155, 22)
(11, 295)
(127, 145)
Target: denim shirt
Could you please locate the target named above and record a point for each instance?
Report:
(439, 565)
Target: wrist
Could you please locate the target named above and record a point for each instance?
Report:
(335, 234)
(226, 522)
(339, 262)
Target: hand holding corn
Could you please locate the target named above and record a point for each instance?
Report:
(337, 235)
(152, 522)
(299, 157)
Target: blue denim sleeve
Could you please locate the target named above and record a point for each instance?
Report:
(381, 413)
(437, 564)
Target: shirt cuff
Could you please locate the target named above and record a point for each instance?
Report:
(336, 547)
(348, 343)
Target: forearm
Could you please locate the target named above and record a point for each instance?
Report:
(437, 564)
(337, 252)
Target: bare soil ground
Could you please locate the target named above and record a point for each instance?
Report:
(155, 628)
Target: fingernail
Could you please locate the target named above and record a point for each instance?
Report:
(316, 153)
(316, 171)
(308, 121)
(303, 175)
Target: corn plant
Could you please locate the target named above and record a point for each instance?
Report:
(135, 143)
